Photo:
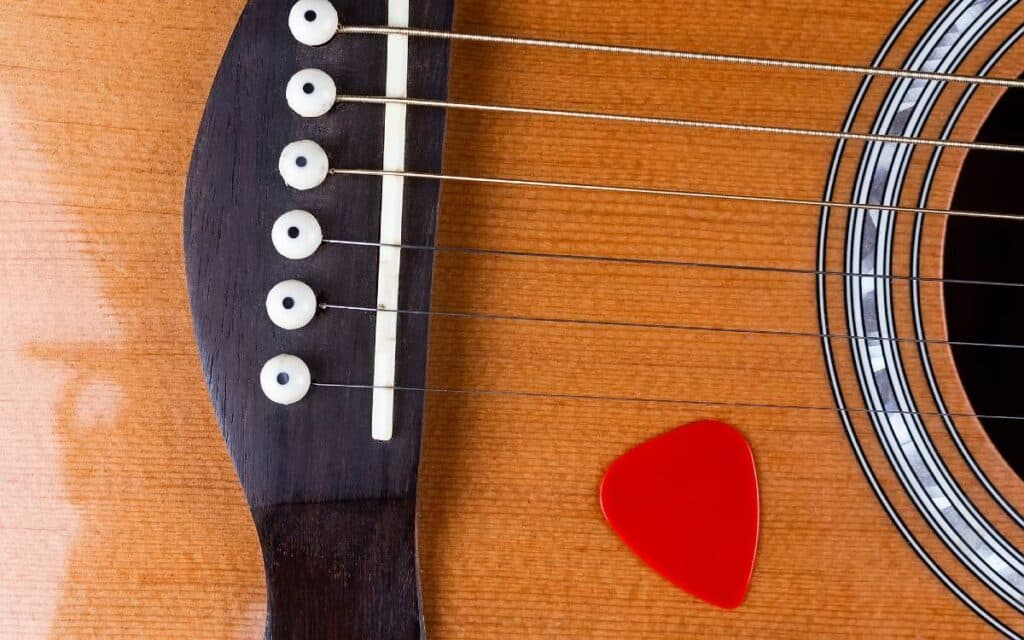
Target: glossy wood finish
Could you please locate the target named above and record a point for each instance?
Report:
(123, 516)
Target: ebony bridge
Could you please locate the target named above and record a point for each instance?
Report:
(330, 473)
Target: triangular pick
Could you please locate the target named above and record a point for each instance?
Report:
(687, 503)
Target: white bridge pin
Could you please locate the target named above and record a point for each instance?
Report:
(304, 165)
(313, 22)
(285, 379)
(297, 234)
(291, 304)
(311, 93)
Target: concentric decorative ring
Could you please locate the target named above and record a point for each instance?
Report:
(879, 372)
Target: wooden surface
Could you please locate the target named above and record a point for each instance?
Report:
(341, 569)
(122, 515)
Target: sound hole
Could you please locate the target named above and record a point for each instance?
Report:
(991, 250)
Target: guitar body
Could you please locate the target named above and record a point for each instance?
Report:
(886, 508)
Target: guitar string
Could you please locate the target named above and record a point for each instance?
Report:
(670, 401)
(667, 326)
(633, 399)
(684, 123)
(653, 191)
(670, 263)
(684, 55)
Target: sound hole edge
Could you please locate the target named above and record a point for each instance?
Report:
(990, 250)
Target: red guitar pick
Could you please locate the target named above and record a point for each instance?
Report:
(687, 503)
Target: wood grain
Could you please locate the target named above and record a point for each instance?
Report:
(123, 516)
(341, 569)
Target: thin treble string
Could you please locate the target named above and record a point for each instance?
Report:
(668, 401)
(669, 263)
(686, 55)
(667, 326)
(685, 123)
(580, 186)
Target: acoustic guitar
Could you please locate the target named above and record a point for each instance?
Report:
(398, 319)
